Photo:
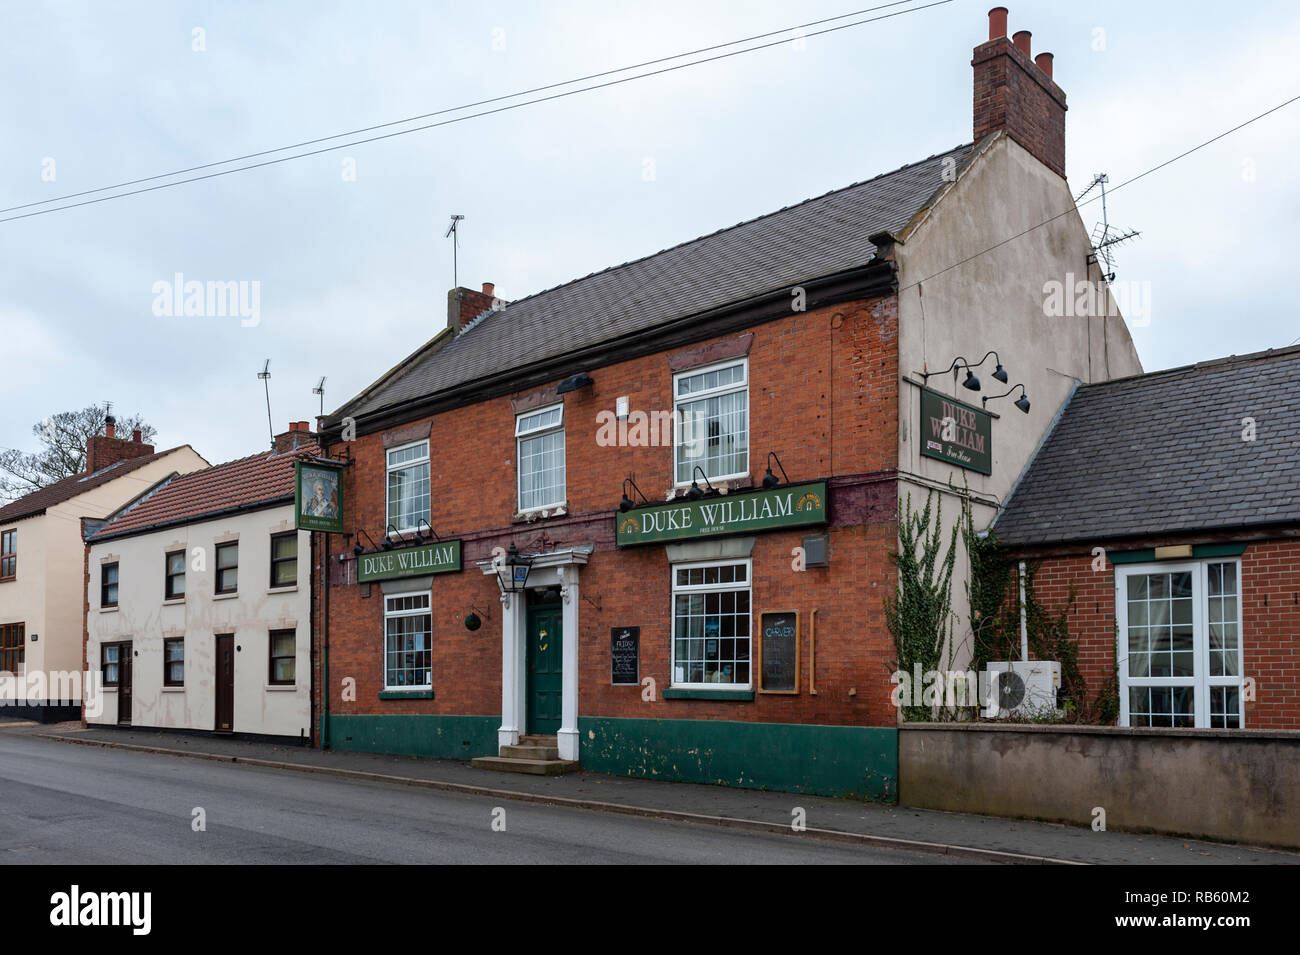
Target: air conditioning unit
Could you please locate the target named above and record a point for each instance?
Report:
(1024, 688)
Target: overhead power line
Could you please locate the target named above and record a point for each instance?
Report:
(786, 38)
(1077, 205)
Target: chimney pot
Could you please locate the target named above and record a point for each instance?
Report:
(489, 289)
(110, 428)
(997, 22)
(136, 436)
(1021, 40)
(1044, 61)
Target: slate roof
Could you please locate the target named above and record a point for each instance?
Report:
(1163, 453)
(39, 501)
(243, 484)
(817, 237)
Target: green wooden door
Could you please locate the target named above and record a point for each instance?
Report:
(545, 660)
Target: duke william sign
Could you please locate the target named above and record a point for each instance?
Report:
(793, 506)
(440, 558)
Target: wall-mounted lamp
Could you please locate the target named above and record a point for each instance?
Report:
(432, 533)
(695, 493)
(1022, 402)
(971, 382)
(627, 503)
(574, 382)
(512, 571)
(357, 549)
(389, 533)
(769, 479)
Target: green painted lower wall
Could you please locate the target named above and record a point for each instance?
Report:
(860, 761)
(441, 737)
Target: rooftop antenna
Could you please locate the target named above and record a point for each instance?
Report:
(1104, 239)
(320, 390)
(455, 242)
(265, 375)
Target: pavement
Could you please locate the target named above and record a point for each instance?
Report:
(964, 836)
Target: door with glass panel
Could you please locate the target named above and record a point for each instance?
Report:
(1180, 648)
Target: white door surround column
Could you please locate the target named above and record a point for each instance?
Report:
(554, 568)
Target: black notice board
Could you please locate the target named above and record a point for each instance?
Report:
(778, 636)
(625, 656)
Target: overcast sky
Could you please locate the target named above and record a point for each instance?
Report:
(354, 272)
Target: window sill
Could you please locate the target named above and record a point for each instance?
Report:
(406, 694)
(173, 689)
(173, 601)
(280, 688)
(737, 696)
(535, 514)
(282, 590)
(732, 485)
(108, 610)
(225, 596)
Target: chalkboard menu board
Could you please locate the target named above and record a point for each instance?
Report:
(625, 656)
(779, 651)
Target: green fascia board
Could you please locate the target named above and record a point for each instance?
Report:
(1199, 551)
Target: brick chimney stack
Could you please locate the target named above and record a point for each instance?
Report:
(464, 305)
(299, 434)
(105, 449)
(1015, 91)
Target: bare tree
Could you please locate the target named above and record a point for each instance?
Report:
(63, 438)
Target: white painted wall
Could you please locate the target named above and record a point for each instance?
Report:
(47, 595)
(996, 301)
(145, 618)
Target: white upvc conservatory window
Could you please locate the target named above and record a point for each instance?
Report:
(540, 436)
(711, 414)
(1180, 648)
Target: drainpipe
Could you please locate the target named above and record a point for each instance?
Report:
(1024, 624)
(325, 646)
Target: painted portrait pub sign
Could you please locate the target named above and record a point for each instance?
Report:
(795, 505)
(956, 433)
(318, 497)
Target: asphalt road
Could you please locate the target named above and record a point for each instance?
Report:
(76, 805)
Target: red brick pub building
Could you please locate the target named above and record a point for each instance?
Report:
(702, 454)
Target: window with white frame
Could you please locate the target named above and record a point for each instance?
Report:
(711, 412)
(408, 648)
(711, 624)
(1180, 644)
(408, 485)
(540, 435)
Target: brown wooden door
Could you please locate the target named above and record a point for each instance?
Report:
(124, 686)
(225, 683)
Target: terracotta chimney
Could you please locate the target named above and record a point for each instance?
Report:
(464, 305)
(298, 435)
(105, 449)
(1017, 94)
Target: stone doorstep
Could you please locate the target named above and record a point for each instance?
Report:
(534, 754)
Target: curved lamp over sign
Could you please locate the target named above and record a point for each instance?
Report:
(769, 479)
(696, 492)
(1022, 402)
(432, 533)
(389, 533)
(357, 549)
(970, 382)
(627, 503)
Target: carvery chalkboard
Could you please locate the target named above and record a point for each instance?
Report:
(625, 656)
(778, 636)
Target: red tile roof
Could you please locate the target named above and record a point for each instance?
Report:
(39, 501)
(259, 480)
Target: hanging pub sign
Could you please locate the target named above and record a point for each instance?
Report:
(439, 558)
(956, 432)
(795, 505)
(318, 497)
(625, 656)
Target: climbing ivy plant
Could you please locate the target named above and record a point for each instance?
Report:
(919, 613)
